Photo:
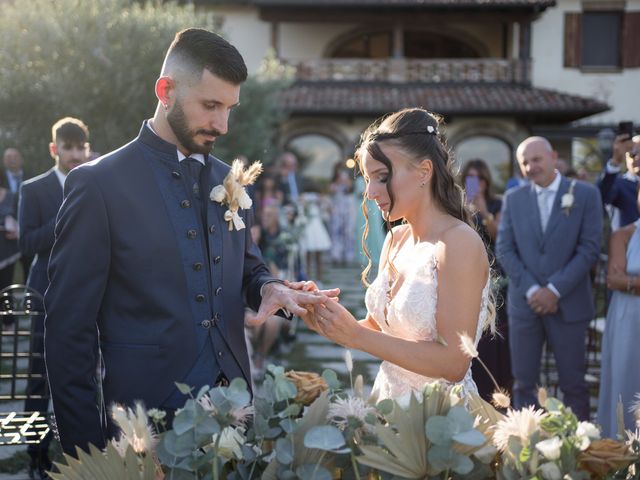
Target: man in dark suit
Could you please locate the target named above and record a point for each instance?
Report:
(12, 179)
(548, 240)
(145, 272)
(40, 200)
(618, 189)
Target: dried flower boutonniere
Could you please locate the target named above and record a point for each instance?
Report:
(566, 202)
(233, 194)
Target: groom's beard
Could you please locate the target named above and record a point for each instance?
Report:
(177, 120)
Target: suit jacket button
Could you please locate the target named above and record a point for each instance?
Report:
(197, 266)
(200, 298)
(185, 203)
(216, 317)
(218, 291)
(220, 354)
(217, 259)
(206, 323)
(176, 174)
(191, 234)
(212, 229)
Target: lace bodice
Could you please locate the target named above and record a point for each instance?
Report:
(411, 314)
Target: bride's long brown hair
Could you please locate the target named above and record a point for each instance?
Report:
(415, 131)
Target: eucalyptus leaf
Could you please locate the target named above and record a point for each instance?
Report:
(206, 427)
(385, 407)
(308, 472)
(284, 451)
(184, 388)
(288, 425)
(284, 389)
(292, 410)
(331, 378)
(460, 419)
(471, 437)
(439, 430)
(443, 458)
(324, 437)
(184, 420)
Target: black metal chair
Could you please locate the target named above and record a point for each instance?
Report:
(22, 372)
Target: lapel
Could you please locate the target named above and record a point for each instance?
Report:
(53, 189)
(533, 207)
(556, 211)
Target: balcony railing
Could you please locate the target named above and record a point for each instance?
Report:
(447, 70)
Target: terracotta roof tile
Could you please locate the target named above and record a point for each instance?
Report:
(407, 3)
(452, 99)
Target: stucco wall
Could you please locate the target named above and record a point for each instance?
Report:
(620, 90)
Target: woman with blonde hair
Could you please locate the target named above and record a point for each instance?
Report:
(433, 280)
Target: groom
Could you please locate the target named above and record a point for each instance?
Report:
(147, 282)
(548, 240)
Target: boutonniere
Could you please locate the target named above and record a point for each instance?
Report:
(233, 194)
(566, 202)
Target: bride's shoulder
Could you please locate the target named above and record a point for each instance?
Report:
(461, 243)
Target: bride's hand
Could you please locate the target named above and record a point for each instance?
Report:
(310, 286)
(336, 323)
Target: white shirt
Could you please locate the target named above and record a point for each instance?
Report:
(61, 176)
(611, 168)
(553, 188)
(14, 179)
(196, 156)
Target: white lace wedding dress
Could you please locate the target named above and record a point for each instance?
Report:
(411, 314)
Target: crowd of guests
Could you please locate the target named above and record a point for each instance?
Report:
(544, 236)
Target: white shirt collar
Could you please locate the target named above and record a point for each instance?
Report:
(61, 176)
(552, 187)
(196, 156)
(181, 156)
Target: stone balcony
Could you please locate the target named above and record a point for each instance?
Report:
(476, 70)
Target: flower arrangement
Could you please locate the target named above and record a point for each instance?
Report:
(307, 426)
(233, 194)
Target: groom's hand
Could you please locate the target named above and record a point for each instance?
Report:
(278, 296)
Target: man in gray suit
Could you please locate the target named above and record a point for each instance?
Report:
(548, 240)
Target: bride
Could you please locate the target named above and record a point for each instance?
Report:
(433, 280)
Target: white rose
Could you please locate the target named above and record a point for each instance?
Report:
(218, 193)
(550, 448)
(588, 429)
(550, 471)
(244, 202)
(586, 432)
(567, 200)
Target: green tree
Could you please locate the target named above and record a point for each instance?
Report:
(99, 60)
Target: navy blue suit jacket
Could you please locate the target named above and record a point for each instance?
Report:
(40, 200)
(563, 255)
(129, 275)
(622, 193)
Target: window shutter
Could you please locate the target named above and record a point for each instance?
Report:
(572, 39)
(631, 40)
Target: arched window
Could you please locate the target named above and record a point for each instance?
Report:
(417, 44)
(317, 154)
(494, 151)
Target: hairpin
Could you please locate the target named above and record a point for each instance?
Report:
(432, 130)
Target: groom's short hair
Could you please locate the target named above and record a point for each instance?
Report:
(196, 49)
